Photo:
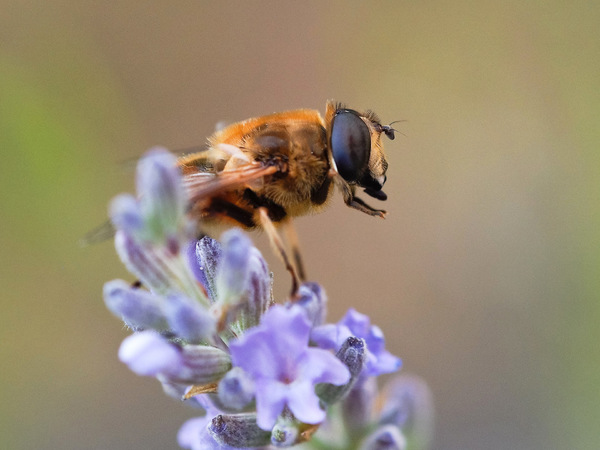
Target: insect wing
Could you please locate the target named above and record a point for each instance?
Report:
(205, 185)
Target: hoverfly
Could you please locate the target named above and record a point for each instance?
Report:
(262, 172)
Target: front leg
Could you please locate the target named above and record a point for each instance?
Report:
(352, 200)
(358, 203)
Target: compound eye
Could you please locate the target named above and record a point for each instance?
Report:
(350, 144)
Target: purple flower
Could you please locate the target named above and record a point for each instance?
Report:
(148, 353)
(237, 278)
(188, 319)
(153, 231)
(138, 308)
(203, 321)
(312, 297)
(216, 431)
(193, 434)
(162, 195)
(242, 273)
(206, 258)
(156, 215)
(379, 360)
(284, 369)
(236, 389)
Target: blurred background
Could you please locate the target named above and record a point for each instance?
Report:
(484, 276)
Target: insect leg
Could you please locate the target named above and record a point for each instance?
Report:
(294, 245)
(354, 202)
(358, 203)
(279, 248)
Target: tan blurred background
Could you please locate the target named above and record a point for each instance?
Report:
(484, 277)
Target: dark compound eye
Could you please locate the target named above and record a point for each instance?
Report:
(350, 144)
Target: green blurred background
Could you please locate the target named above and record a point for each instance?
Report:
(484, 277)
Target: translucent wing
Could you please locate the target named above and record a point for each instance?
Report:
(203, 185)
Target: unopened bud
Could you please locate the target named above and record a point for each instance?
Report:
(188, 319)
(142, 261)
(236, 389)
(138, 308)
(357, 406)
(387, 437)
(352, 354)
(208, 254)
(238, 430)
(312, 297)
(409, 405)
(202, 364)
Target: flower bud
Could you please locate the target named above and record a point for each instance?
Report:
(285, 434)
(208, 255)
(125, 214)
(202, 365)
(352, 354)
(409, 405)
(147, 353)
(236, 389)
(141, 261)
(232, 275)
(256, 296)
(162, 199)
(139, 309)
(239, 430)
(357, 406)
(312, 297)
(187, 319)
(387, 437)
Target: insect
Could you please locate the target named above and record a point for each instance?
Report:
(262, 172)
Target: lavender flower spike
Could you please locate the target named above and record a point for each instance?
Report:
(284, 369)
(206, 327)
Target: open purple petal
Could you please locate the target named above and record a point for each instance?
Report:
(304, 404)
(378, 359)
(147, 353)
(358, 323)
(193, 433)
(253, 353)
(290, 326)
(330, 336)
(270, 401)
(321, 366)
(273, 348)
